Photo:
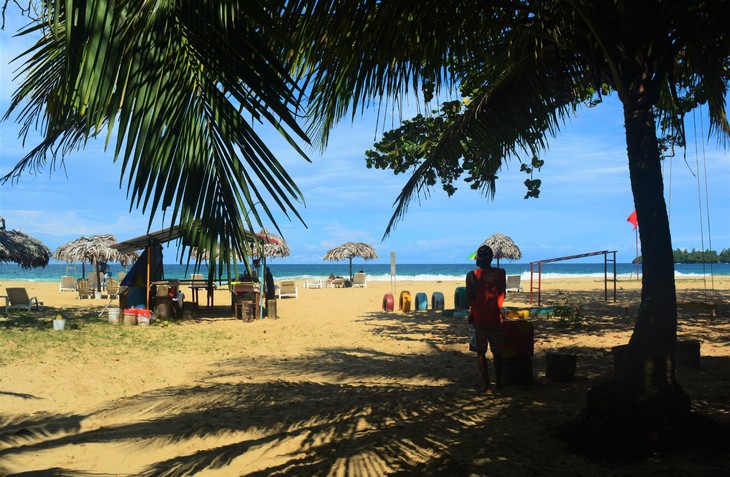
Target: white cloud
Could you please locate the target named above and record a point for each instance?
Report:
(586, 195)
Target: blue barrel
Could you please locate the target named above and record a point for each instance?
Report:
(421, 301)
(460, 298)
(437, 301)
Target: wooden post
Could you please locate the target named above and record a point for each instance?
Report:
(163, 307)
(271, 311)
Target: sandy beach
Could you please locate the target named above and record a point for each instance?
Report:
(334, 386)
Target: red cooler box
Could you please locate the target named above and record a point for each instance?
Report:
(518, 339)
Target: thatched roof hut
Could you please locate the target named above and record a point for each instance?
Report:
(97, 248)
(349, 250)
(18, 247)
(273, 246)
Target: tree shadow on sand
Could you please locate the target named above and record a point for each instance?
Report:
(360, 411)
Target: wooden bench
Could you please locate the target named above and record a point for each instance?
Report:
(698, 305)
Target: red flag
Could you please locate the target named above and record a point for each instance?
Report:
(632, 219)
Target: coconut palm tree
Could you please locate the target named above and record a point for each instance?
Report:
(184, 81)
(182, 86)
(523, 67)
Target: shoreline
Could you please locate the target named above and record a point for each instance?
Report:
(381, 272)
(525, 277)
(51, 296)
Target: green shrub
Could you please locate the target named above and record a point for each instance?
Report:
(569, 311)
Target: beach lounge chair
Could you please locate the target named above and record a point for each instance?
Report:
(68, 283)
(314, 284)
(112, 288)
(359, 280)
(18, 299)
(93, 284)
(338, 283)
(288, 288)
(513, 283)
(82, 287)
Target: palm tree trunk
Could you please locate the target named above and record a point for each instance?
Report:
(649, 360)
(643, 397)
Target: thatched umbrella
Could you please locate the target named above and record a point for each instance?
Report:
(199, 255)
(502, 246)
(18, 247)
(96, 249)
(274, 246)
(350, 250)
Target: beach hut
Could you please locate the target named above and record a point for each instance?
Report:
(350, 250)
(18, 247)
(152, 250)
(272, 245)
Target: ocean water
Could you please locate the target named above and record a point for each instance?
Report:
(378, 271)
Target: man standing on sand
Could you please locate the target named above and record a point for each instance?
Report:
(485, 291)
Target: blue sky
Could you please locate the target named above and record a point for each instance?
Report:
(584, 202)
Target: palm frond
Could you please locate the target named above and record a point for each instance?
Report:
(358, 54)
(184, 85)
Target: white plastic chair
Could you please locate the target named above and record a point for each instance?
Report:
(68, 283)
(359, 280)
(288, 288)
(513, 283)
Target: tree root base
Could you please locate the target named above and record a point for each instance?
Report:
(619, 425)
